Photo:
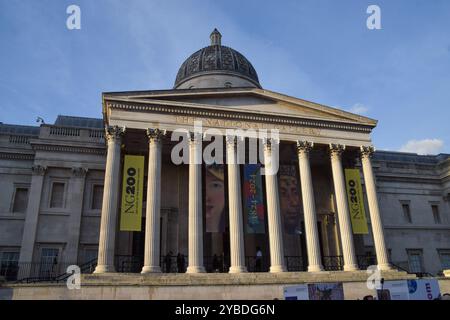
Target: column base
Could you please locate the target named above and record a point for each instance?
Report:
(151, 269)
(351, 267)
(275, 269)
(385, 267)
(315, 268)
(238, 269)
(103, 268)
(195, 269)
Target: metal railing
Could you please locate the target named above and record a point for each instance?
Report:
(40, 271)
(56, 272)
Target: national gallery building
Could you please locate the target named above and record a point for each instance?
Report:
(108, 196)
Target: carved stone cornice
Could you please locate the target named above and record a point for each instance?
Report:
(155, 135)
(240, 116)
(79, 172)
(367, 151)
(38, 170)
(336, 149)
(304, 146)
(16, 156)
(67, 148)
(114, 133)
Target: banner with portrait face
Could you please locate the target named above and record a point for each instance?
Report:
(290, 204)
(215, 211)
(253, 196)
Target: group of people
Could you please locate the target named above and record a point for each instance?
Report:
(217, 264)
(181, 263)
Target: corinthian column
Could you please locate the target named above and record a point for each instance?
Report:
(235, 209)
(195, 205)
(375, 217)
(106, 243)
(309, 207)
(152, 217)
(345, 227)
(273, 209)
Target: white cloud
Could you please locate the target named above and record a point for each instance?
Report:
(359, 108)
(424, 146)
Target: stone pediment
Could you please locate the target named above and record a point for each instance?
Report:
(242, 100)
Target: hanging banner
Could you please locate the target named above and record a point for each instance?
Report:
(132, 188)
(355, 201)
(215, 198)
(289, 199)
(253, 195)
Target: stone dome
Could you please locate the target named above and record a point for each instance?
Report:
(216, 66)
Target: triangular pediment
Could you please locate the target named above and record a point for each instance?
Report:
(248, 100)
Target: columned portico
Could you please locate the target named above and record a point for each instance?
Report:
(105, 263)
(277, 263)
(235, 209)
(153, 215)
(375, 217)
(195, 205)
(223, 223)
(350, 262)
(309, 208)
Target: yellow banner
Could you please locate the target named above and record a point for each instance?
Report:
(356, 201)
(132, 188)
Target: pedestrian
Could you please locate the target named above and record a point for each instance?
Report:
(258, 261)
(180, 262)
(168, 261)
(216, 264)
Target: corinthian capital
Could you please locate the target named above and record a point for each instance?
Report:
(367, 151)
(269, 143)
(38, 170)
(304, 146)
(155, 135)
(336, 149)
(114, 133)
(195, 137)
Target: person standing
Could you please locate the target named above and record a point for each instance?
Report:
(180, 262)
(168, 261)
(258, 262)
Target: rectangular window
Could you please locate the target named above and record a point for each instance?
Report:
(49, 262)
(415, 261)
(9, 265)
(436, 216)
(90, 255)
(445, 259)
(406, 212)
(57, 196)
(97, 197)
(20, 200)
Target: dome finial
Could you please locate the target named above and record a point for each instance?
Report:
(215, 37)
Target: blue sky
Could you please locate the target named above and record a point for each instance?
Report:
(317, 50)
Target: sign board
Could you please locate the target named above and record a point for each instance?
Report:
(423, 289)
(298, 292)
(132, 188)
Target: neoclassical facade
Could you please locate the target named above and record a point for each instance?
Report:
(63, 184)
